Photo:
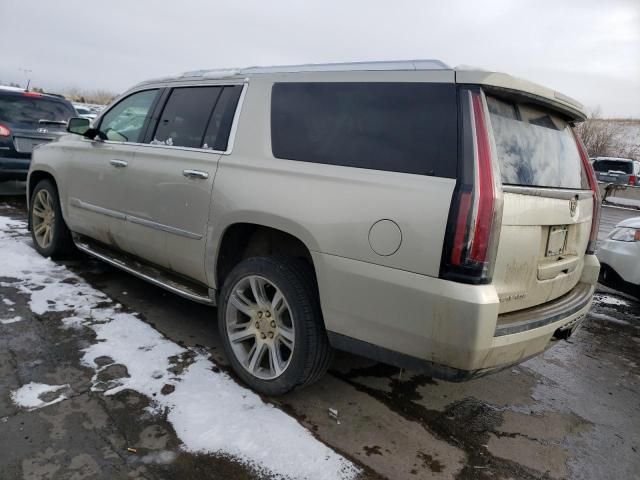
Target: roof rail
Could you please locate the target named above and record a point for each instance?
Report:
(352, 66)
(320, 67)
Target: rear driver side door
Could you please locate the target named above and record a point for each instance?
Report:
(170, 181)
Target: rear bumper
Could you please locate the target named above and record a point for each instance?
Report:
(14, 168)
(446, 329)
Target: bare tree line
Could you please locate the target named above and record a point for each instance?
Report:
(75, 94)
(608, 137)
(97, 96)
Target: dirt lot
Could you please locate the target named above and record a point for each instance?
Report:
(574, 412)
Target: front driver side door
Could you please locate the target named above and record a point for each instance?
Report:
(97, 193)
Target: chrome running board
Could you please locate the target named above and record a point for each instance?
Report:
(152, 274)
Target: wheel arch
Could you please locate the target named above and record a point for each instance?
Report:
(241, 240)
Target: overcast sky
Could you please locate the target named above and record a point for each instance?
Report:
(588, 49)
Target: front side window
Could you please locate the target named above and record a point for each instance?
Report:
(399, 127)
(125, 121)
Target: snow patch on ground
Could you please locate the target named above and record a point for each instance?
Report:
(209, 411)
(607, 318)
(29, 396)
(609, 300)
(6, 321)
(7, 301)
(625, 202)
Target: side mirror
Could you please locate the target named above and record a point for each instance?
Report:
(78, 125)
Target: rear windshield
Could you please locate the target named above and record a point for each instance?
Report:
(535, 146)
(613, 166)
(24, 109)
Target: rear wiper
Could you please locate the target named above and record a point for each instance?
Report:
(44, 121)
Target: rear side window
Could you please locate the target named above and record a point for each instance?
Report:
(535, 146)
(217, 134)
(198, 117)
(613, 166)
(30, 110)
(400, 127)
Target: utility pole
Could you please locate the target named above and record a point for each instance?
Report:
(27, 72)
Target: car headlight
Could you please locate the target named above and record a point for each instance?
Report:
(625, 234)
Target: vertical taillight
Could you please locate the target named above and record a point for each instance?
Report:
(593, 185)
(632, 180)
(474, 219)
(4, 131)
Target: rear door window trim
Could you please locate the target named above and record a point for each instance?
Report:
(162, 104)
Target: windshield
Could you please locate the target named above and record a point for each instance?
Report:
(613, 166)
(535, 146)
(25, 109)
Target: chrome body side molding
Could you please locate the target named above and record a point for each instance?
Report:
(137, 220)
(75, 202)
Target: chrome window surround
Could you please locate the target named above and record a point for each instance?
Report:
(232, 132)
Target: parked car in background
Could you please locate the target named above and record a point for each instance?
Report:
(619, 255)
(433, 218)
(27, 120)
(624, 171)
(84, 111)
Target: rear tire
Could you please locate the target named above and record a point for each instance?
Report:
(49, 232)
(271, 324)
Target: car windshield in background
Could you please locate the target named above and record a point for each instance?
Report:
(26, 109)
(535, 147)
(613, 166)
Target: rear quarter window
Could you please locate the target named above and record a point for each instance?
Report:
(399, 127)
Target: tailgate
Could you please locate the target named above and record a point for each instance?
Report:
(548, 205)
(542, 245)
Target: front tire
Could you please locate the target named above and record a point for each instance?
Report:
(49, 232)
(271, 324)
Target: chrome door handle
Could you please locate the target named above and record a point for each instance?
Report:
(118, 163)
(195, 174)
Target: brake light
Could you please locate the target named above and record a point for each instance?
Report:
(32, 94)
(4, 131)
(593, 185)
(473, 228)
(632, 180)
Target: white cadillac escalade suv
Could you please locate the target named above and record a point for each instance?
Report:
(432, 218)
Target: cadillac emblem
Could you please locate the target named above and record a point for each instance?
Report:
(573, 206)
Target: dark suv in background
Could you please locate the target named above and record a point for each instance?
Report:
(28, 119)
(624, 171)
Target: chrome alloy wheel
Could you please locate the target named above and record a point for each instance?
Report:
(260, 327)
(43, 218)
